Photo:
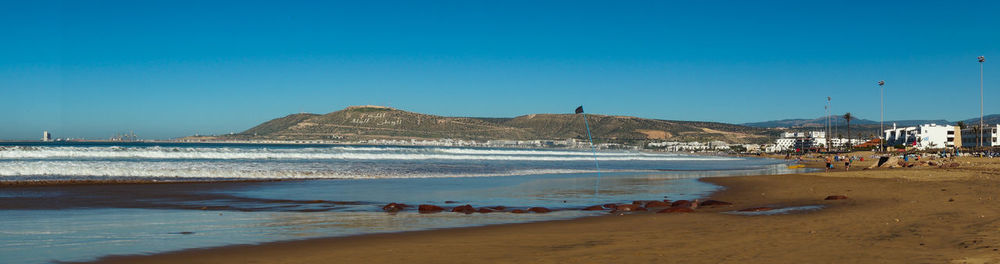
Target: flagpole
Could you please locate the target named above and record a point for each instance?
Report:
(597, 185)
(981, 126)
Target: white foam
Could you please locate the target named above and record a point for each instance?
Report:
(355, 162)
(337, 153)
(231, 171)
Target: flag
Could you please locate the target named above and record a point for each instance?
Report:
(579, 109)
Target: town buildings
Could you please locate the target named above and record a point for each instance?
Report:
(969, 137)
(689, 146)
(798, 141)
(926, 136)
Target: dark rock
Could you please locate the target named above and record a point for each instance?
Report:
(610, 205)
(427, 208)
(517, 211)
(714, 203)
(467, 209)
(641, 209)
(638, 202)
(485, 210)
(680, 203)
(594, 208)
(653, 204)
(499, 208)
(676, 210)
(540, 210)
(757, 209)
(685, 203)
(450, 202)
(626, 207)
(394, 207)
(835, 197)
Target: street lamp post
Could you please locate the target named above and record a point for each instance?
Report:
(881, 127)
(828, 129)
(981, 60)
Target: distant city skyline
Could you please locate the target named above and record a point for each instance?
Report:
(167, 69)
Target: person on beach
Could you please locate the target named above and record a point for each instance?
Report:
(829, 164)
(847, 164)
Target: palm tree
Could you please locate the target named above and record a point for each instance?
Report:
(848, 117)
(976, 136)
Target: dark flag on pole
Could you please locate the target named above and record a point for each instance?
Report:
(597, 184)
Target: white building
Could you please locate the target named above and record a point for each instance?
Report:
(926, 136)
(689, 146)
(46, 136)
(810, 134)
(783, 144)
(842, 142)
(970, 137)
(799, 140)
(809, 140)
(752, 147)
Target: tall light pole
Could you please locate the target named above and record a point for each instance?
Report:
(833, 122)
(981, 60)
(881, 127)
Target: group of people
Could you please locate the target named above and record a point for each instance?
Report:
(838, 158)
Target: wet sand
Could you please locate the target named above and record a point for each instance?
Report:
(911, 215)
(190, 195)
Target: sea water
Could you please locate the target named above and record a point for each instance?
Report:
(327, 191)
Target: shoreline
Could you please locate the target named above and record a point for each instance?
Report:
(891, 215)
(80, 182)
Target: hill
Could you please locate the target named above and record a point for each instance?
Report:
(377, 122)
(988, 119)
(816, 122)
(279, 124)
(839, 120)
(367, 122)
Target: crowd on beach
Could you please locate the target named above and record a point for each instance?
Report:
(848, 160)
(890, 160)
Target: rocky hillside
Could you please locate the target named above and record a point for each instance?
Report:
(368, 122)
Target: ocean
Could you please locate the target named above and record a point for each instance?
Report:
(324, 190)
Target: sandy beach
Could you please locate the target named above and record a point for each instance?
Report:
(906, 215)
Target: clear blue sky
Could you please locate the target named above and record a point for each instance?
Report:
(175, 68)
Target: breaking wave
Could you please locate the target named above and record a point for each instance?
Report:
(241, 171)
(337, 162)
(334, 153)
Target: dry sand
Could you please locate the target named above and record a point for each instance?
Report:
(912, 215)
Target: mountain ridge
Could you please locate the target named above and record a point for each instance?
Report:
(357, 123)
(379, 122)
(839, 120)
